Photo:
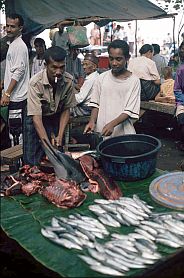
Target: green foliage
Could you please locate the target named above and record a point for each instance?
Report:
(23, 217)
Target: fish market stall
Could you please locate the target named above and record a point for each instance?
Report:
(36, 225)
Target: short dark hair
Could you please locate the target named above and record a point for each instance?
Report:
(40, 41)
(156, 48)
(145, 48)
(120, 44)
(55, 53)
(14, 16)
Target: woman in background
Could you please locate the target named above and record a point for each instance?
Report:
(144, 68)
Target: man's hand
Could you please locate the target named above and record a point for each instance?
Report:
(108, 129)
(89, 127)
(5, 100)
(58, 141)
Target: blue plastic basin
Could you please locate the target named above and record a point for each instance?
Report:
(129, 157)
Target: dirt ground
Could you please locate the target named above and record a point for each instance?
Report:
(16, 262)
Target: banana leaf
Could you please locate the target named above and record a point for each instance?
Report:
(23, 217)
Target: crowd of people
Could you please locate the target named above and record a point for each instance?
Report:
(41, 94)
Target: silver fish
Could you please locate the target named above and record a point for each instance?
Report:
(72, 238)
(172, 237)
(103, 201)
(66, 243)
(149, 229)
(139, 236)
(168, 242)
(141, 204)
(152, 256)
(144, 260)
(117, 252)
(129, 263)
(96, 208)
(119, 236)
(89, 260)
(176, 224)
(97, 255)
(109, 221)
(151, 224)
(116, 265)
(145, 233)
(179, 216)
(47, 233)
(142, 248)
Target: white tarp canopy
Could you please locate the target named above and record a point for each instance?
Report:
(42, 14)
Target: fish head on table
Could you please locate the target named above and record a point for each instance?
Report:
(100, 182)
(65, 166)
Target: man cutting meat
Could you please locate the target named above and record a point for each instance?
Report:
(50, 97)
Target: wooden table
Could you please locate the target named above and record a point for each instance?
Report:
(152, 105)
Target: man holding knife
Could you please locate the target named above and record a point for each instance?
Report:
(50, 97)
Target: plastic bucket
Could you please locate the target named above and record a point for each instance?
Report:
(129, 157)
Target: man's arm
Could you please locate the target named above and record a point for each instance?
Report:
(109, 128)
(64, 119)
(40, 129)
(6, 96)
(92, 122)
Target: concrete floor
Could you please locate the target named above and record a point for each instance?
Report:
(169, 157)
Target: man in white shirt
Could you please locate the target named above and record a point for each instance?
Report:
(38, 61)
(118, 34)
(115, 97)
(90, 65)
(16, 77)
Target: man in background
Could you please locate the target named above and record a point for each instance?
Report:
(131, 38)
(159, 60)
(60, 37)
(74, 67)
(90, 65)
(16, 77)
(38, 61)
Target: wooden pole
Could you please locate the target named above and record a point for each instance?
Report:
(136, 38)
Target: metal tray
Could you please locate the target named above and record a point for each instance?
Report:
(168, 190)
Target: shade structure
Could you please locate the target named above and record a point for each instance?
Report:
(39, 15)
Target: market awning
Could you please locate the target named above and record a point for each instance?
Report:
(39, 15)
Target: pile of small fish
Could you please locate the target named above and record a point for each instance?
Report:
(76, 231)
(122, 252)
(124, 211)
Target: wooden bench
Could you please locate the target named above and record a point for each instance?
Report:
(152, 105)
(74, 121)
(12, 156)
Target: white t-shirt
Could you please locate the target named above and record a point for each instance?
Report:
(38, 65)
(143, 68)
(113, 97)
(119, 35)
(85, 90)
(17, 68)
